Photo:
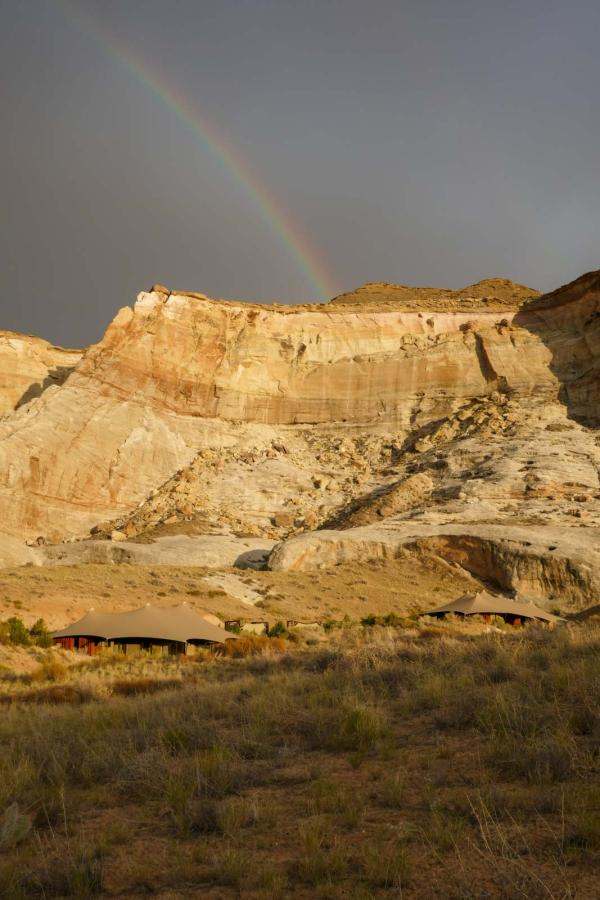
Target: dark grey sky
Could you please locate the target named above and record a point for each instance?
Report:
(420, 141)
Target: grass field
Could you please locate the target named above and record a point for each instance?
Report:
(406, 762)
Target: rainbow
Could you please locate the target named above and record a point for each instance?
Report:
(270, 210)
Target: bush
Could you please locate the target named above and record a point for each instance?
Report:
(134, 686)
(17, 633)
(251, 645)
(54, 694)
(386, 867)
(391, 620)
(40, 634)
(355, 728)
(541, 759)
(278, 630)
(321, 859)
(50, 670)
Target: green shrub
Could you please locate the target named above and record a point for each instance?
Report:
(278, 630)
(17, 633)
(391, 620)
(40, 634)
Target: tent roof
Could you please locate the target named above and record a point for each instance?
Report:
(175, 623)
(484, 603)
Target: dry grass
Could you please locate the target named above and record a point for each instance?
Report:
(389, 763)
(251, 645)
(61, 594)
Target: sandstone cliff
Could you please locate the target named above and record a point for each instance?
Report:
(269, 421)
(28, 365)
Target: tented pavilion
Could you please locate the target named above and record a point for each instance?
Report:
(173, 629)
(515, 612)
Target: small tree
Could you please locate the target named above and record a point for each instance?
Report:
(40, 634)
(17, 633)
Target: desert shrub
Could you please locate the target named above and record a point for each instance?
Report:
(392, 791)
(251, 645)
(431, 691)
(128, 687)
(386, 867)
(273, 884)
(235, 813)
(538, 758)
(53, 694)
(355, 728)
(582, 825)
(510, 714)
(344, 802)
(51, 669)
(79, 874)
(321, 858)
(323, 660)
(460, 708)
(18, 779)
(190, 787)
(40, 634)
(278, 630)
(16, 632)
(232, 867)
(218, 771)
(195, 815)
(584, 718)
(391, 620)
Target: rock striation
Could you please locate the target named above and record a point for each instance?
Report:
(379, 413)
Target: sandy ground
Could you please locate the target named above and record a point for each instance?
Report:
(61, 594)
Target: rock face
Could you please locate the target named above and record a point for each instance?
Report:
(568, 321)
(410, 416)
(29, 365)
(191, 356)
(506, 488)
(564, 573)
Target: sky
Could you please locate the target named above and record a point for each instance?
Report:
(286, 151)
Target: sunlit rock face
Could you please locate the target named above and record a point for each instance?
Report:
(179, 373)
(28, 365)
(276, 366)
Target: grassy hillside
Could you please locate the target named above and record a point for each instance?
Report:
(416, 762)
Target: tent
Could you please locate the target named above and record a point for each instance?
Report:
(485, 604)
(162, 625)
